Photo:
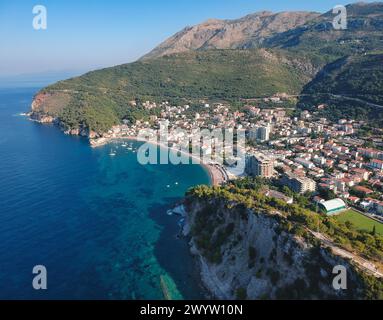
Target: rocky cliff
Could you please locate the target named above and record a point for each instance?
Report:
(247, 254)
(244, 33)
(304, 31)
(46, 108)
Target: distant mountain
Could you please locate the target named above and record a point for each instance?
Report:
(245, 33)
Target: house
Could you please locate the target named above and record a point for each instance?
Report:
(318, 199)
(364, 174)
(354, 200)
(307, 164)
(363, 190)
(365, 205)
(375, 205)
(371, 153)
(279, 196)
(378, 207)
(376, 164)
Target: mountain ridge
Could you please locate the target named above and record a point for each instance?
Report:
(243, 33)
(286, 29)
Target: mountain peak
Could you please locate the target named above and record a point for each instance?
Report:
(246, 32)
(363, 8)
(212, 21)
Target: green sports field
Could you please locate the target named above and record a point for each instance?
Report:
(360, 221)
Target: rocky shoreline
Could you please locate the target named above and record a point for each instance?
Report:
(47, 119)
(98, 140)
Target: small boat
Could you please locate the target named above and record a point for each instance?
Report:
(112, 153)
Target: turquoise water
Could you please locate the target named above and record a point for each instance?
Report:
(98, 223)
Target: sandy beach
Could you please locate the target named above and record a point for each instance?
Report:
(217, 177)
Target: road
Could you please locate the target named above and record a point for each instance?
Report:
(356, 99)
(362, 263)
(337, 96)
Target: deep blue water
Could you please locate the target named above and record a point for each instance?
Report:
(98, 223)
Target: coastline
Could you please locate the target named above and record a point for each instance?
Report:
(215, 175)
(134, 222)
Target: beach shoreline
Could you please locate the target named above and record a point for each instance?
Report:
(215, 174)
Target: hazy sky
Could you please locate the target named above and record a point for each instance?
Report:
(89, 34)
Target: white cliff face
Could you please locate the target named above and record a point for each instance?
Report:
(259, 259)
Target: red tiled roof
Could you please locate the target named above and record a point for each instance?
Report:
(363, 189)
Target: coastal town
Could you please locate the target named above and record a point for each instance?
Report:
(336, 165)
(190, 158)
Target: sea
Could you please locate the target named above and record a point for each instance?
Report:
(95, 219)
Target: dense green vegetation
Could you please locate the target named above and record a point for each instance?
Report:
(347, 86)
(103, 97)
(356, 76)
(224, 74)
(338, 108)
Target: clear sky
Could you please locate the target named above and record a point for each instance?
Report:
(89, 34)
